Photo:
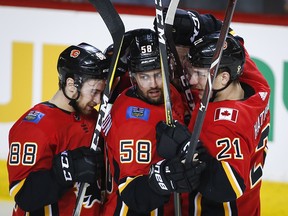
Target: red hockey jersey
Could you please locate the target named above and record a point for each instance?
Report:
(235, 133)
(131, 141)
(40, 134)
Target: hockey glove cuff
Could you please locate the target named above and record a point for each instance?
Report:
(169, 176)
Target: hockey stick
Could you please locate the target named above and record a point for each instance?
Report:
(208, 88)
(116, 28)
(164, 61)
(169, 21)
(165, 70)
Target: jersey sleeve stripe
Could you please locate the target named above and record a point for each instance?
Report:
(124, 209)
(232, 179)
(227, 208)
(14, 190)
(197, 204)
(122, 186)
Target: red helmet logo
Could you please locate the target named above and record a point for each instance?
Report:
(74, 53)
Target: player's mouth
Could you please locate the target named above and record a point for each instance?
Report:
(154, 93)
(90, 107)
(200, 93)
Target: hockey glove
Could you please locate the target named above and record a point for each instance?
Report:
(79, 165)
(169, 176)
(190, 26)
(171, 139)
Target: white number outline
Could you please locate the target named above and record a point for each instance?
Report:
(27, 157)
(256, 171)
(142, 154)
(226, 145)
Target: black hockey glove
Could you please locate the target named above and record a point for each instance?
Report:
(189, 26)
(169, 176)
(79, 165)
(171, 139)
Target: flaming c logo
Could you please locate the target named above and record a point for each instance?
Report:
(75, 53)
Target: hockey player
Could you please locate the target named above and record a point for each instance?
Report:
(49, 144)
(234, 133)
(188, 26)
(131, 137)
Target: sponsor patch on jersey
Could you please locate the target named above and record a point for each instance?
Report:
(34, 116)
(137, 112)
(224, 113)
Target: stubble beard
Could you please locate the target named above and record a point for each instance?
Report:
(156, 101)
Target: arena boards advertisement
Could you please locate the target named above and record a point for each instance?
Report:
(30, 46)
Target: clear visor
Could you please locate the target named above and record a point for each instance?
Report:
(194, 72)
(93, 87)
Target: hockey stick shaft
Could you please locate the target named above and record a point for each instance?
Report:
(165, 69)
(116, 28)
(184, 84)
(168, 27)
(164, 61)
(208, 88)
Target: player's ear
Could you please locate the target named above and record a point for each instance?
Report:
(71, 89)
(132, 78)
(225, 77)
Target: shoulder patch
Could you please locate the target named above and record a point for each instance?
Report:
(137, 112)
(34, 116)
(224, 113)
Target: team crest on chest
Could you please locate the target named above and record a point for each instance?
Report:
(137, 112)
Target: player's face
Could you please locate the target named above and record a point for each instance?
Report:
(149, 85)
(197, 78)
(90, 95)
(182, 53)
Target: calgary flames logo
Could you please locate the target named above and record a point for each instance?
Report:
(92, 195)
(74, 53)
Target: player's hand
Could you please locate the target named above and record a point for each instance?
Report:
(170, 139)
(79, 165)
(174, 141)
(169, 176)
(190, 26)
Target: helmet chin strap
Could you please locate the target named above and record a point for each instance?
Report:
(72, 102)
(215, 91)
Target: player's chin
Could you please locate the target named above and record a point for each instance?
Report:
(200, 93)
(88, 110)
(156, 100)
